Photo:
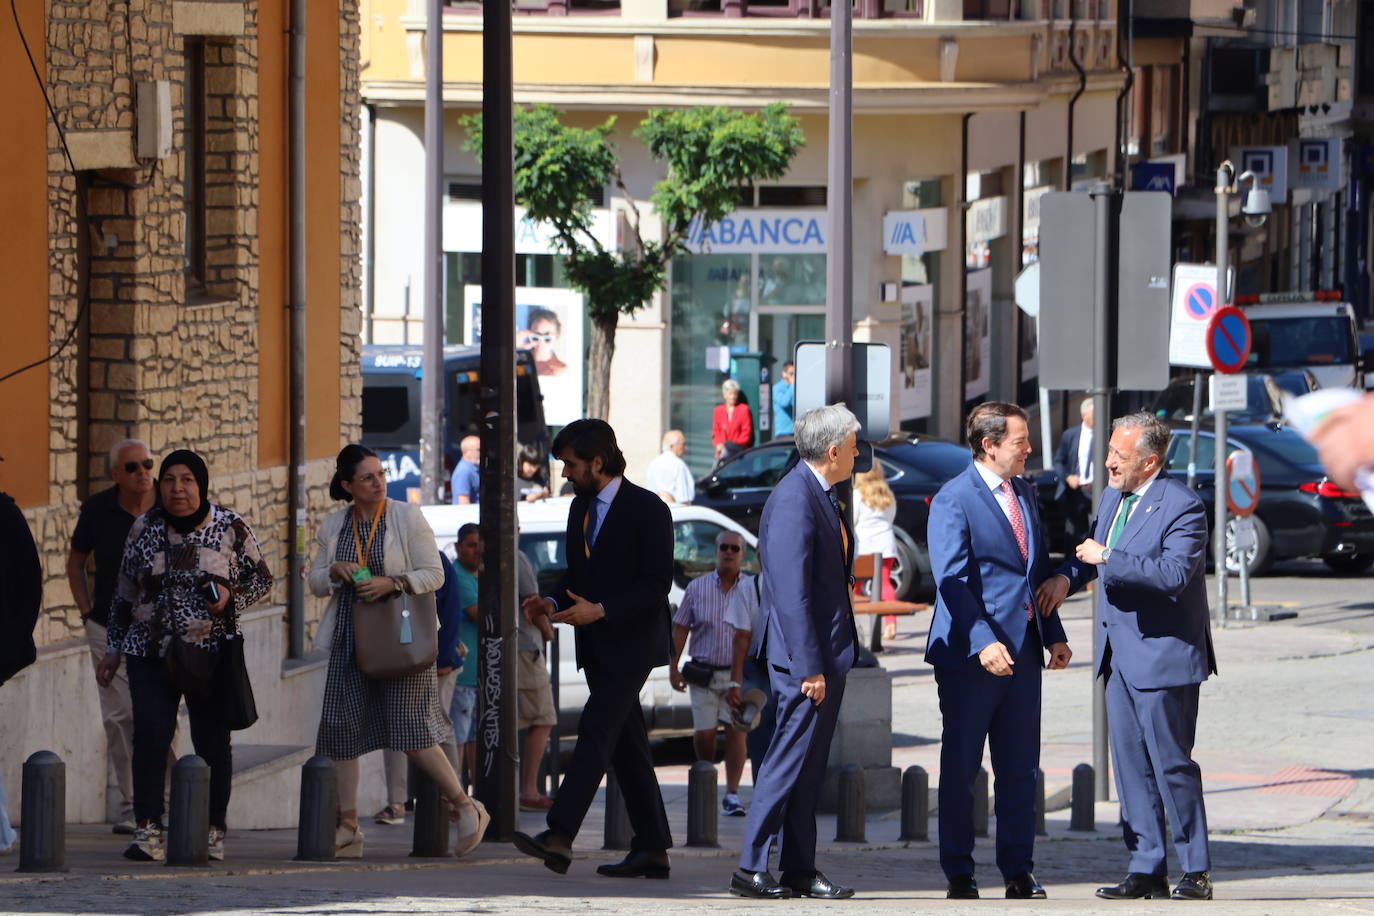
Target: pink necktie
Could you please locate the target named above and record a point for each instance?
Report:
(1018, 528)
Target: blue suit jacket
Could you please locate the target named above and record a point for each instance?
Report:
(982, 585)
(1153, 598)
(804, 603)
(1066, 457)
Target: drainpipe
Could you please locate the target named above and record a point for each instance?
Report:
(1124, 54)
(370, 252)
(295, 486)
(1073, 102)
(962, 252)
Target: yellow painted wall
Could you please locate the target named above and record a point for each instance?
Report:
(24, 263)
(323, 237)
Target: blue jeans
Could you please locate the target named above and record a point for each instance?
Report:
(6, 831)
(463, 711)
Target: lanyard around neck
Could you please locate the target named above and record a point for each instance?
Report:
(364, 551)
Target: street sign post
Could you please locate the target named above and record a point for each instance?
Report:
(1229, 392)
(1228, 339)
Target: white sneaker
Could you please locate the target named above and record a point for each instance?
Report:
(147, 845)
(216, 844)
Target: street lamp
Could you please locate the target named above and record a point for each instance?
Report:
(1256, 207)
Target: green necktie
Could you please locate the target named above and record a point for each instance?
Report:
(1127, 500)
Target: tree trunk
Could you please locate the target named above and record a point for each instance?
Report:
(600, 349)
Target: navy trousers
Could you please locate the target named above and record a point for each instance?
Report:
(1003, 712)
(783, 807)
(1152, 745)
(611, 733)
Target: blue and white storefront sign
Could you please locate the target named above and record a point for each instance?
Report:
(914, 232)
(779, 231)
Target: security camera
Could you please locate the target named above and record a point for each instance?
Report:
(1256, 207)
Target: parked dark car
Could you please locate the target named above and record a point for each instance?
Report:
(1264, 394)
(1300, 512)
(916, 469)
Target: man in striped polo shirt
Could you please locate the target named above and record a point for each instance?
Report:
(702, 615)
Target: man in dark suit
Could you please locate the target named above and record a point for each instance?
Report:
(1073, 463)
(806, 550)
(615, 592)
(987, 643)
(1149, 549)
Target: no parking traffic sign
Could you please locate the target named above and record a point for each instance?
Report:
(1242, 483)
(1194, 302)
(1228, 339)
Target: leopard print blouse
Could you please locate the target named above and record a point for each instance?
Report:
(152, 602)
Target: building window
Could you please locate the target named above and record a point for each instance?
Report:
(543, 7)
(193, 171)
(805, 9)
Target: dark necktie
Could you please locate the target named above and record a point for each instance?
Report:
(1119, 525)
(839, 515)
(589, 526)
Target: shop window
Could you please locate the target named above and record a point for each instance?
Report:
(464, 268)
(792, 279)
(792, 195)
(542, 7)
(807, 9)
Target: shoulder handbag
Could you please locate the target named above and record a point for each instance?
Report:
(396, 636)
(190, 668)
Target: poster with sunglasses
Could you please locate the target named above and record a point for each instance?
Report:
(549, 324)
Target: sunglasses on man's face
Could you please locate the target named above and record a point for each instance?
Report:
(730, 548)
(132, 466)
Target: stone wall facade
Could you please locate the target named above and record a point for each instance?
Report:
(166, 352)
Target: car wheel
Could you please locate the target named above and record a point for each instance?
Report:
(1348, 564)
(907, 572)
(1258, 558)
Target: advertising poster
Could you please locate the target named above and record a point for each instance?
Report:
(548, 322)
(913, 356)
(977, 334)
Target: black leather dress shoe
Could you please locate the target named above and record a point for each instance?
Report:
(640, 863)
(814, 884)
(759, 885)
(1136, 886)
(554, 850)
(962, 887)
(1024, 887)
(1194, 885)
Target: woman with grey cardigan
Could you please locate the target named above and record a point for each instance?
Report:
(372, 549)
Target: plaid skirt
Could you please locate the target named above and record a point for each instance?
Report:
(360, 714)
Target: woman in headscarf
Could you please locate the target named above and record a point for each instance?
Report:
(371, 549)
(190, 567)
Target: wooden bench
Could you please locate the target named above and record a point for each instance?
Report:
(866, 569)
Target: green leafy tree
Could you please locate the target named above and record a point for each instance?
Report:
(709, 154)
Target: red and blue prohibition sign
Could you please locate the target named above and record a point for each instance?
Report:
(1228, 339)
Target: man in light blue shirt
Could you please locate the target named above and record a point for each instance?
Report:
(784, 401)
(466, 481)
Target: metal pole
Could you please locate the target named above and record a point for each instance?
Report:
(296, 521)
(1223, 191)
(839, 279)
(497, 752)
(432, 377)
(1199, 379)
(1107, 201)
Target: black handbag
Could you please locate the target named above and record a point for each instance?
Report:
(234, 689)
(697, 674)
(190, 668)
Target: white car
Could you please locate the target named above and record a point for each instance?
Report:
(543, 526)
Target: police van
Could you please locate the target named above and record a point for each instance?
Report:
(391, 408)
(1304, 330)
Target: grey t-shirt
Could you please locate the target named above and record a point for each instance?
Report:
(529, 638)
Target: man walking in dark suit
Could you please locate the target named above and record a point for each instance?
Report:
(615, 592)
(987, 643)
(806, 550)
(1073, 463)
(1148, 549)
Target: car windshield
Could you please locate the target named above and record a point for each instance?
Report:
(1285, 445)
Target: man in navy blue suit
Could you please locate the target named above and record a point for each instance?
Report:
(806, 550)
(987, 642)
(1148, 549)
(1073, 464)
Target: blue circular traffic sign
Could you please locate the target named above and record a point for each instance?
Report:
(1199, 301)
(1242, 483)
(1228, 339)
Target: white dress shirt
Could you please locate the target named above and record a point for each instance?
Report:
(1140, 494)
(1085, 455)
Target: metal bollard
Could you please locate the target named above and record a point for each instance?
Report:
(188, 819)
(43, 814)
(431, 819)
(980, 802)
(915, 804)
(852, 808)
(319, 810)
(702, 813)
(1082, 816)
(1040, 802)
(618, 831)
